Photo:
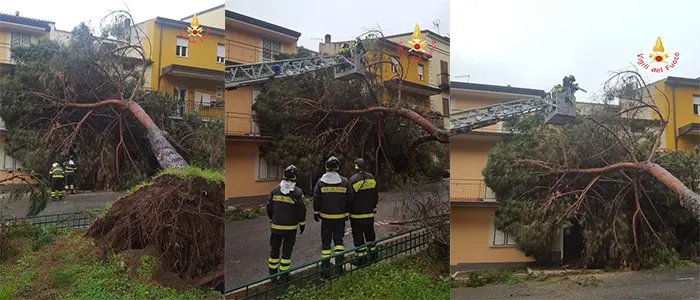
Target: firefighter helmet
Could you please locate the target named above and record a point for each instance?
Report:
(332, 164)
(359, 164)
(290, 173)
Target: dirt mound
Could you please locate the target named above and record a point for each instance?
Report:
(181, 218)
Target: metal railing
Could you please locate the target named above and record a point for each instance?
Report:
(79, 219)
(239, 124)
(214, 111)
(315, 273)
(470, 190)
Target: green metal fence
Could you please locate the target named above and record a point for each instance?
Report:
(78, 219)
(320, 271)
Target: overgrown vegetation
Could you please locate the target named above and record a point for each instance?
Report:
(68, 268)
(629, 218)
(413, 277)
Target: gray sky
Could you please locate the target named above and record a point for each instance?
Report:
(533, 44)
(69, 13)
(345, 20)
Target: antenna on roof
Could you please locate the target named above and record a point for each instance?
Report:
(436, 23)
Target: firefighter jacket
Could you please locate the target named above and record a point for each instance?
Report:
(332, 196)
(70, 166)
(286, 211)
(364, 204)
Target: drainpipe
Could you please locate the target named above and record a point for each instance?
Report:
(675, 128)
(160, 54)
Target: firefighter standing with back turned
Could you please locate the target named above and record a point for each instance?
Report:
(332, 197)
(57, 180)
(364, 206)
(287, 212)
(70, 167)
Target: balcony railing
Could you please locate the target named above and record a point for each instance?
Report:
(213, 111)
(238, 124)
(470, 190)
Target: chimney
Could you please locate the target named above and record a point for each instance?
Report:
(327, 39)
(17, 13)
(127, 22)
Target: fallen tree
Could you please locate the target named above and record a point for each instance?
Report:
(605, 171)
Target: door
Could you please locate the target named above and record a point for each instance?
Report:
(444, 73)
(573, 243)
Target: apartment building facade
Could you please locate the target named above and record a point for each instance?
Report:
(438, 73)
(475, 242)
(679, 98)
(15, 31)
(250, 40)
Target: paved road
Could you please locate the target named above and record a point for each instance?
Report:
(247, 242)
(682, 284)
(70, 203)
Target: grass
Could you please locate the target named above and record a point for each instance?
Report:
(189, 171)
(66, 266)
(237, 214)
(408, 277)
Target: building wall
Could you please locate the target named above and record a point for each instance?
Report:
(215, 18)
(683, 113)
(241, 163)
(468, 157)
(470, 235)
(5, 41)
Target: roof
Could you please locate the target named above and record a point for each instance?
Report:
(684, 82)
(183, 25)
(204, 11)
(423, 32)
(496, 88)
(261, 23)
(26, 21)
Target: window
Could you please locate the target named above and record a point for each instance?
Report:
(500, 238)
(446, 107)
(267, 171)
(696, 105)
(7, 162)
(269, 49)
(420, 72)
(181, 47)
(220, 53)
(219, 92)
(394, 65)
(19, 39)
(181, 95)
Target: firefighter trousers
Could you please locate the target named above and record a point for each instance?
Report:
(362, 232)
(281, 240)
(70, 182)
(57, 188)
(332, 231)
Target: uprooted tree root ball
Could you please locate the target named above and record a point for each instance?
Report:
(182, 217)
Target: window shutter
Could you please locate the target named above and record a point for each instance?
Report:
(182, 42)
(220, 50)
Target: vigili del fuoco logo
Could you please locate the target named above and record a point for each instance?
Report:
(417, 44)
(659, 59)
(195, 33)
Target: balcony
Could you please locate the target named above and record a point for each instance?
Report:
(243, 125)
(471, 190)
(444, 82)
(213, 111)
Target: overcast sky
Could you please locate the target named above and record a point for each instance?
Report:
(69, 13)
(533, 44)
(345, 20)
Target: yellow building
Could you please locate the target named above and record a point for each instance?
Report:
(438, 73)
(475, 242)
(683, 108)
(415, 87)
(248, 40)
(190, 67)
(16, 30)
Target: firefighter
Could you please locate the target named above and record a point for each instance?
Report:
(344, 50)
(57, 181)
(287, 213)
(70, 167)
(332, 197)
(364, 206)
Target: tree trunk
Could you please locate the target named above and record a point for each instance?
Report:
(165, 153)
(689, 199)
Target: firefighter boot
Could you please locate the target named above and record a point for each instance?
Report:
(273, 272)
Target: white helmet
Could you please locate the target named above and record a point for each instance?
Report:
(55, 165)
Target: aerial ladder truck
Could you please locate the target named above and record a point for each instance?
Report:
(558, 105)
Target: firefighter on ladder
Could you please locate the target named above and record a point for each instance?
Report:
(332, 198)
(287, 213)
(364, 206)
(70, 167)
(57, 180)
